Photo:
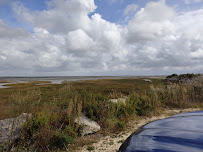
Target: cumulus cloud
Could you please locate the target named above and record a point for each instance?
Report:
(66, 40)
(78, 40)
(152, 22)
(8, 32)
(130, 9)
(59, 17)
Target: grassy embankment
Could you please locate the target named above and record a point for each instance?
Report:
(54, 107)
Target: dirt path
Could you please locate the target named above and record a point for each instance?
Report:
(112, 143)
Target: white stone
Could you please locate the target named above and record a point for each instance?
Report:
(122, 100)
(89, 126)
(147, 80)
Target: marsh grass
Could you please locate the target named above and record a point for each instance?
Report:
(4, 81)
(55, 107)
(27, 84)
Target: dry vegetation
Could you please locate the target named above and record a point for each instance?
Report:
(54, 107)
(4, 82)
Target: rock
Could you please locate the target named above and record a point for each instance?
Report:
(122, 100)
(10, 128)
(89, 126)
(147, 80)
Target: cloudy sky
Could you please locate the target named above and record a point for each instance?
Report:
(100, 37)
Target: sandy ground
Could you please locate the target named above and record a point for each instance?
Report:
(112, 143)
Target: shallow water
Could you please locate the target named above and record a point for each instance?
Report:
(10, 82)
(1, 85)
(56, 80)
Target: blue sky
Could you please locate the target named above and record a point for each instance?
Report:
(100, 37)
(111, 10)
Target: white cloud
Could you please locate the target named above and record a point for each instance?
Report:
(193, 1)
(61, 15)
(8, 32)
(130, 9)
(152, 22)
(157, 40)
(3, 57)
(198, 53)
(79, 41)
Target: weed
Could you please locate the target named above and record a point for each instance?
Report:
(120, 141)
(121, 124)
(111, 143)
(90, 148)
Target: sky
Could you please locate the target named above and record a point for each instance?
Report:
(100, 37)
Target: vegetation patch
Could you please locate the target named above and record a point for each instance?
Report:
(5, 82)
(55, 107)
(31, 83)
(90, 148)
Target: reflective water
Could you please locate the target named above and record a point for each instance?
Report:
(58, 79)
(2, 85)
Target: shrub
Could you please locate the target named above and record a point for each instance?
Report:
(60, 139)
(141, 104)
(110, 123)
(90, 148)
(70, 131)
(121, 110)
(121, 124)
(48, 130)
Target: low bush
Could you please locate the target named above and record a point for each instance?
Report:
(121, 124)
